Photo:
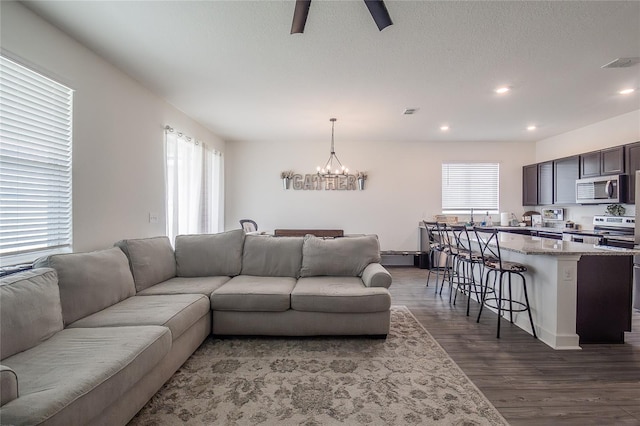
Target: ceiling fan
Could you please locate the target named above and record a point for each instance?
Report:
(377, 9)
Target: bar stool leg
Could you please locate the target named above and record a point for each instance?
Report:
(526, 299)
(510, 301)
(499, 303)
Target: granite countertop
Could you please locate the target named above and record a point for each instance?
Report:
(535, 245)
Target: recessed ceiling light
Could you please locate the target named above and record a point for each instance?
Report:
(502, 90)
(627, 91)
(444, 128)
(531, 128)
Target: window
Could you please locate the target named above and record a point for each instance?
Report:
(35, 164)
(467, 186)
(194, 186)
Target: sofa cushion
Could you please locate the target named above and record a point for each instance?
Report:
(271, 256)
(209, 255)
(70, 378)
(8, 385)
(30, 311)
(249, 293)
(338, 294)
(90, 282)
(152, 260)
(186, 285)
(340, 257)
(177, 312)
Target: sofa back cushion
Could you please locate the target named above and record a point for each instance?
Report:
(272, 256)
(346, 256)
(90, 282)
(30, 310)
(208, 255)
(152, 260)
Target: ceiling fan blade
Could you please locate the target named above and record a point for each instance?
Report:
(300, 16)
(379, 13)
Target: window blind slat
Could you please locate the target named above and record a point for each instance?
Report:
(35, 163)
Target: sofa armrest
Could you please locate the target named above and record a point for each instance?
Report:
(375, 275)
(8, 385)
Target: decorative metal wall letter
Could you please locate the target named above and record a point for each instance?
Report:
(315, 182)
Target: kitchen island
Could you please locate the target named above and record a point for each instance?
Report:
(579, 293)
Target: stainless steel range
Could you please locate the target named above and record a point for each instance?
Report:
(615, 231)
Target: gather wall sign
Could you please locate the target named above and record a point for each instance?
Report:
(316, 182)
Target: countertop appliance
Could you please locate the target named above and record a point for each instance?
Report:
(601, 190)
(552, 214)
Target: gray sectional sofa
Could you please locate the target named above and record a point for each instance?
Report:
(88, 338)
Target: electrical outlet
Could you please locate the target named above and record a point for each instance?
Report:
(153, 217)
(567, 274)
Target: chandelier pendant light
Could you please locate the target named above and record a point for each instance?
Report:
(332, 167)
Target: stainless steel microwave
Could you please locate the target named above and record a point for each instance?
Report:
(602, 190)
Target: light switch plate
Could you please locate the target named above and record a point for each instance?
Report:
(153, 217)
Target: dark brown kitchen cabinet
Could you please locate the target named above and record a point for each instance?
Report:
(565, 173)
(545, 183)
(605, 162)
(590, 164)
(603, 311)
(530, 185)
(612, 161)
(632, 157)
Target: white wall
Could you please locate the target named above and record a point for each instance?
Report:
(118, 136)
(403, 185)
(615, 131)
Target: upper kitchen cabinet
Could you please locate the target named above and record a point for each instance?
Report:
(590, 164)
(608, 161)
(537, 184)
(565, 173)
(612, 161)
(545, 183)
(632, 156)
(530, 185)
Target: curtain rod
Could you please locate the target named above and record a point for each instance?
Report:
(170, 129)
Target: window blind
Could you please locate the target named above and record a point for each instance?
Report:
(467, 186)
(35, 164)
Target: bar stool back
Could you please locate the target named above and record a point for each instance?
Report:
(493, 295)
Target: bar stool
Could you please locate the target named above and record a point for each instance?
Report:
(450, 251)
(436, 248)
(468, 262)
(493, 295)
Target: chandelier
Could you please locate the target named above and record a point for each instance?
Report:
(333, 167)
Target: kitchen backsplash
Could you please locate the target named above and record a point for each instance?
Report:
(583, 215)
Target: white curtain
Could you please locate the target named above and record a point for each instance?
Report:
(194, 186)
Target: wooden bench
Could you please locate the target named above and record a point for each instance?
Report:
(398, 257)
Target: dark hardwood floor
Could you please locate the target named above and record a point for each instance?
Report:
(527, 381)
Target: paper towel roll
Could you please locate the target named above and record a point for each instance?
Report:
(504, 219)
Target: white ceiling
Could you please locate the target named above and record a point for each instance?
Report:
(234, 67)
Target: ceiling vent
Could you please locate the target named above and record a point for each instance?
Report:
(622, 63)
(410, 111)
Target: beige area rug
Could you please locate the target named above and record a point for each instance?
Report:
(406, 379)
